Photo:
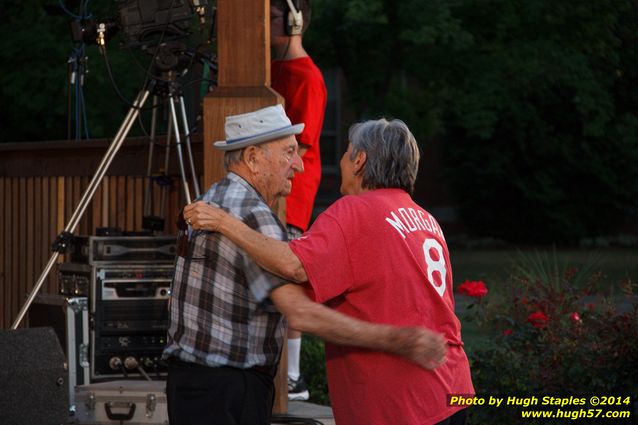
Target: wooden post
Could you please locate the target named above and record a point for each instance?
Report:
(243, 53)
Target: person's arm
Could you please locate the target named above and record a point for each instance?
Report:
(273, 255)
(421, 346)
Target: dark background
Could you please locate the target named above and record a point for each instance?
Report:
(527, 106)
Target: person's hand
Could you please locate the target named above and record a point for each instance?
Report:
(202, 216)
(422, 346)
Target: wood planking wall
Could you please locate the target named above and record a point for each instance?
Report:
(34, 210)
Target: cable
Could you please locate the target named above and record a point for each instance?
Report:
(143, 373)
(84, 116)
(76, 102)
(112, 79)
(168, 22)
(76, 77)
(83, 8)
(81, 119)
(148, 74)
(124, 372)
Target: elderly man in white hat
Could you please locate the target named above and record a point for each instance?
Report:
(226, 325)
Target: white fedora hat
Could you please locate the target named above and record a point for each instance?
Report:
(262, 125)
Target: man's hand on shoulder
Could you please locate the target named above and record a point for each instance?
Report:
(202, 216)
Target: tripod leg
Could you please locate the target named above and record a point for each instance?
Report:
(167, 163)
(149, 166)
(189, 151)
(87, 196)
(106, 161)
(171, 102)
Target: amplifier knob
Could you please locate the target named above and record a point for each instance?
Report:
(130, 363)
(115, 363)
(147, 362)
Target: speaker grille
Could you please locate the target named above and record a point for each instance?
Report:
(34, 378)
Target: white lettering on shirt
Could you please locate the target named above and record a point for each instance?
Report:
(435, 228)
(396, 223)
(425, 221)
(408, 220)
(416, 218)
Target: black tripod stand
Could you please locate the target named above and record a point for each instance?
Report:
(170, 90)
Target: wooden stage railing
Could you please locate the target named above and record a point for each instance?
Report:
(41, 184)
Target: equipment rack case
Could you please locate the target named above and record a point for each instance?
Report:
(122, 402)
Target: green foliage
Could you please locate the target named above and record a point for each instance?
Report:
(533, 102)
(35, 46)
(555, 334)
(547, 132)
(313, 368)
(35, 49)
(28, 51)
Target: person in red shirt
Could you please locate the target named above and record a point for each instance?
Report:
(295, 76)
(378, 256)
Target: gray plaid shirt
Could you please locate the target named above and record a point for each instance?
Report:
(220, 311)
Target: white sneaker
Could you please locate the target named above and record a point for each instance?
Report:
(297, 389)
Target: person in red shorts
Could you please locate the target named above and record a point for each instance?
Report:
(378, 256)
(295, 76)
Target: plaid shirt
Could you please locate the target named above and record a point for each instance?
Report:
(220, 311)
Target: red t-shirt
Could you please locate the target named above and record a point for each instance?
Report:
(382, 258)
(300, 82)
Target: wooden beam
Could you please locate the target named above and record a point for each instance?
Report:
(72, 158)
(243, 49)
(243, 43)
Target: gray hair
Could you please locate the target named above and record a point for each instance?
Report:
(232, 158)
(392, 154)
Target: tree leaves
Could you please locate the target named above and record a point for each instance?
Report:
(532, 101)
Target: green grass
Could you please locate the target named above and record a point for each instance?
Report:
(495, 266)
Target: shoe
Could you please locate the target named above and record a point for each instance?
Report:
(297, 390)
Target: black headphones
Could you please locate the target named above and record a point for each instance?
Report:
(294, 21)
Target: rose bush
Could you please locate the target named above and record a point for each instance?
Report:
(553, 331)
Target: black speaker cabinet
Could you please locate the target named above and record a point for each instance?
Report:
(33, 378)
